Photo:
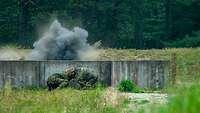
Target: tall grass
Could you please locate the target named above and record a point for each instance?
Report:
(182, 100)
(58, 101)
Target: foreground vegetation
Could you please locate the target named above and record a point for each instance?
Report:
(182, 100)
(58, 101)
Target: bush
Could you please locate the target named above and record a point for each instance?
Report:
(126, 86)
(129, 86)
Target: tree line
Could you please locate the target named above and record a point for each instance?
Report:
(140, 24)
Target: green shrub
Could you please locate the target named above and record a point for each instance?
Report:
(126, 86)
(129, 86)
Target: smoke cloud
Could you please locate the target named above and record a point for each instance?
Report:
(60, 43)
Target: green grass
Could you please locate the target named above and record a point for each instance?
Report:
(182, 100)
(188, 59)
(58, 101)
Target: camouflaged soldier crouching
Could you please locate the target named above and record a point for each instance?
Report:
(73, 78)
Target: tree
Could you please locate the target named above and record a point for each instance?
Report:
(23, 22)
(155, 23)
(169, 16)
(139, 23)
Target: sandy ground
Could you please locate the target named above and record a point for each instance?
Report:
(135, 100)
(158, 98)
(144, 100)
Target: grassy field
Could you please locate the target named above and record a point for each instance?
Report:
(58, 101)
(183, 99)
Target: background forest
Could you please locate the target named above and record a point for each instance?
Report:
(140, 24)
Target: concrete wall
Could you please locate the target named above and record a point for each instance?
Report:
(147, 74)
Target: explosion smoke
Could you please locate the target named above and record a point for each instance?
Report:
(60, 43)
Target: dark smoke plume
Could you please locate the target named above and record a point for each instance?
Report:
(60, 43)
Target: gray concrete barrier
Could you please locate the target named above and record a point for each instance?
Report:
(146, 74)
